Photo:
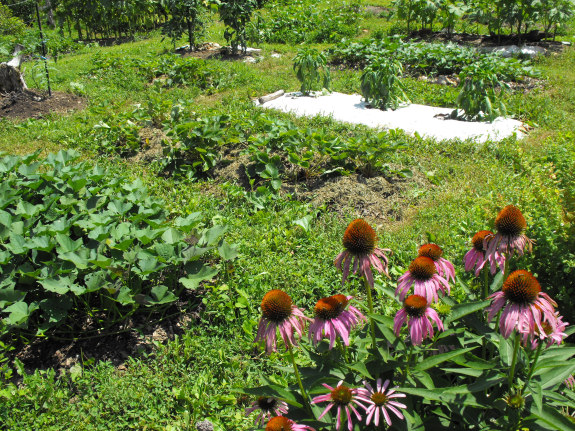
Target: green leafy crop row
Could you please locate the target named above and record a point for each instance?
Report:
(75, 242)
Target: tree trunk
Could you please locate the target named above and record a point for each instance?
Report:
(50, 14)
(11, 79)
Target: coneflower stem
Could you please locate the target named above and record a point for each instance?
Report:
(298, 378)
(513, 361)
(485, 282)
(532, 369)
(370, 307)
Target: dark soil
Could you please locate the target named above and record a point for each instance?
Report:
(32, 104)
(481, 40)
(132, 338)
(210, 50)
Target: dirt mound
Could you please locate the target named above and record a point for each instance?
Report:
(31, 104)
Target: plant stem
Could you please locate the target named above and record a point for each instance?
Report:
(370, 307)
(532, 368)
(299, 382)
(408, 362)
(485, 282)
(513, 361)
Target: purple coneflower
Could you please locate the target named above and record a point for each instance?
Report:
(278, 311)
(423, 273)
(342, 397)
(553, 332)
(444, 267)
(361, 252)
(280, 423)
(268, 406)
(379, 401)
(509, 238)
(570, 382)
(419, 317)
(476, 256)
(525, 305)
(332, 319)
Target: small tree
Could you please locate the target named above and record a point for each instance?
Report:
(310, 67)
(236, 15)
(185, 16)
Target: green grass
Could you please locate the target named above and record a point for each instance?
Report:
(193, 378)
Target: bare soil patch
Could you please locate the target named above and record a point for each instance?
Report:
(32, 104)
(535, 38)
(212, 50)
(132, 338)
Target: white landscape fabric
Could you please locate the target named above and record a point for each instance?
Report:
(413, 118)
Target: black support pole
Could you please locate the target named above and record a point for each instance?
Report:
(43, 50)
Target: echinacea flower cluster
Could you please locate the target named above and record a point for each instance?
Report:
(374, 402)
(361, 252)
(444, 267)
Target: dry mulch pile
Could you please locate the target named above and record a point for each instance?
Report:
(32, 104)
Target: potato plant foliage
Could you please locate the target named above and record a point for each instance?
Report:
(76, 241)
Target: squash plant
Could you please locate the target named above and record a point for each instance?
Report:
(77, 242)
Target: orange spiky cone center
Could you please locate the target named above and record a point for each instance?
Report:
(510, 221)
(478, 238)
(276, 305)
(521, 287)
(432, 251)
(279, 423)
(379, 398)
(341, 395)
(359, 238)
(415, 305)
(422, 268)
(330, 307)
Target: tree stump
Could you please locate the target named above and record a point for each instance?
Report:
(10, 77)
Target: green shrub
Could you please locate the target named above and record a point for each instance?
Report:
(10, 25)
(77, 242)
(303, 21)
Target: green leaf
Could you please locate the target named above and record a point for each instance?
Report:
(187, 223)
(19, 312)
(161, 295)
(212, 235)
(172, 236)
(193, 280)
(227, 251)
(79, 261)
(464, 309)
(434, 360)
(56, 309)
(67, 244)
(304, 222)
(552, 417)
(557, 375)
(125, 296)
(537, 394)
(361, 369)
